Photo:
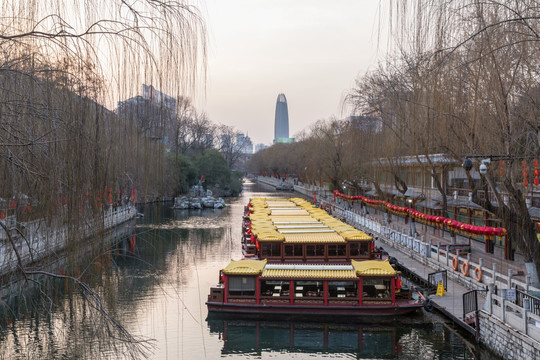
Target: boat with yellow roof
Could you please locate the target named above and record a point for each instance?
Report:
(258, 288)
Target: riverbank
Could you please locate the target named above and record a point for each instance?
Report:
(32, 242)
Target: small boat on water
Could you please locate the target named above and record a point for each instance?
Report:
(256, 288)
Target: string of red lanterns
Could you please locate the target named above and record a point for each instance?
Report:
(433, 220)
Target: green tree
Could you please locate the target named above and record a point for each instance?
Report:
(212, 167)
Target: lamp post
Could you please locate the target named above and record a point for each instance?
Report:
(412, 227)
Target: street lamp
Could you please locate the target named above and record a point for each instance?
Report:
(483, 166)
(412, 227)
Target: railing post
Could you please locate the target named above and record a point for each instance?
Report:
(428, 250)
(525, 320)
(447, 256)
(510, 275)
(490, 298)
(494, 273)
(504, 309)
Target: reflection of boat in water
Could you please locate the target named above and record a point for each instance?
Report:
(364, 341)
(315, 265)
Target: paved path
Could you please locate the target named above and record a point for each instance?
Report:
(451, 304)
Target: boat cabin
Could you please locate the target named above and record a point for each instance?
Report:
(370, 283)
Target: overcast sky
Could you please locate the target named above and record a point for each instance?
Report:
(310, 50)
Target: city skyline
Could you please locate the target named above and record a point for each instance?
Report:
(310, 50)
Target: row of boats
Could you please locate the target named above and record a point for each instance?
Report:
(300, 262)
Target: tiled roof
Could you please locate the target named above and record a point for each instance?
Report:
(373, 268)
(286, 218)
(356, 235)
(327, 238)
(244, 267)
(292, 212)
(289, 271)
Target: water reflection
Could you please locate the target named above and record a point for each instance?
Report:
(258, 337)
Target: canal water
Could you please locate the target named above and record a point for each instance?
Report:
(155, 283)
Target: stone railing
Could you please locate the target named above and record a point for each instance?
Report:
(35, 240)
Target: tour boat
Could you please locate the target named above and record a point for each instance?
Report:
(294, 230)
(258, 288)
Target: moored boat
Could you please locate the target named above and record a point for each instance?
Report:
(356, 289)
(294, 230)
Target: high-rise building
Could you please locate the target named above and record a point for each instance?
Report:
(281, 124)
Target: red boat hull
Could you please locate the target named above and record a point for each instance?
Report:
(308, 311)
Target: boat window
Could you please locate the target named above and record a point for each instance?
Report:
(271, 249)
(376, 288)
(241, 286)
(315, 250)
(337, 250)
(342, 289)
(308, 289)
(275, 288)
(364, 248)
(294, 250)
(359, 248)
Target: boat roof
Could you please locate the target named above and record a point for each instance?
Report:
(244, 267)
(296, 220)
(310, 271)
(304, 271)
(373, 268)
(324, 238)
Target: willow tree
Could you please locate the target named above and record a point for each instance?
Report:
(62, 65)
(497, 45)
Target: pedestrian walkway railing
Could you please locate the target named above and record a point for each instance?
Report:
(528, 301)
(518, 317)
(435, 278)
(470, 302)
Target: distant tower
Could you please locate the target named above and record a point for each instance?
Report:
(281, 124)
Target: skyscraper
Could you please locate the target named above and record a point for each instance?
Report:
(281, 124)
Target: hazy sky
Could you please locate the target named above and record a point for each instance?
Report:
(310, 50)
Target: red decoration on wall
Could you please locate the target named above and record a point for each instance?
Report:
(536, 172)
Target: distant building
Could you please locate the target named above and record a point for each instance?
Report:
(260, 147)
(154, 113)
(281, 122)
(159, 98)
(368, 122)
(244, 144)
(208, 141)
